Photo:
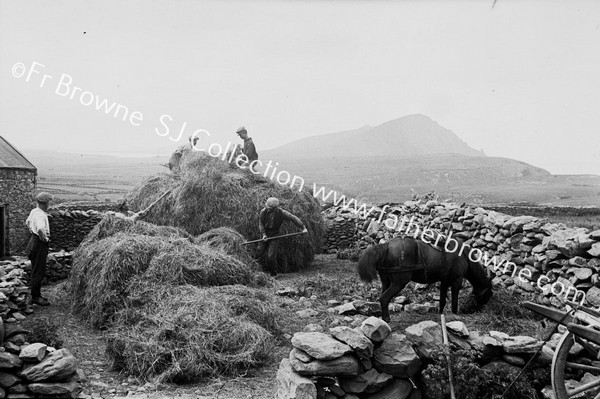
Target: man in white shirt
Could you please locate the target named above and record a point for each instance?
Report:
(37, 249)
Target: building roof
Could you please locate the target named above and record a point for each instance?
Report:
(11, 158)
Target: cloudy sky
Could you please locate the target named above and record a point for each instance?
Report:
(519, 80)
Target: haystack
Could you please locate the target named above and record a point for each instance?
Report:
(102, 270)
(210, 193)
(189, 333)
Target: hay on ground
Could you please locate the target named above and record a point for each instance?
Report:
(227, 240)
(209, 193)
(189, 333)
(102, 270)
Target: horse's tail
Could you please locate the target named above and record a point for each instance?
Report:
(367, 264)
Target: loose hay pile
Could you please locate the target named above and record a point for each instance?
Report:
(190, 333)
(111, 225)
(209, 193)
(178, 309)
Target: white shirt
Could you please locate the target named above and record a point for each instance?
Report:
(38, 220)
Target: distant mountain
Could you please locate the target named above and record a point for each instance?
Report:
(411, 155)
(410, 136)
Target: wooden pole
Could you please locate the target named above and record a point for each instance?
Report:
(274, 238)
(445, 337)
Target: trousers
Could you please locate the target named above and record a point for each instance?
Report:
(268, 249)
(37, 252)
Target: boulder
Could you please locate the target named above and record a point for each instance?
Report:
(367, 308)
(319, 345)
(545, 357)
(13, 329)
(368, 382)
(398, 389)
(56, 389)
(426, 336)
(582, 273)
(397, 357)
(375, 329)
(8, 380)
(55, 367)
(593, 296)
(346, 365)
(578, 261)
(458, 327)
(33, 353)
(9, 361)
(302, 356)
(595, 250)
(355, 339)
(499, 335)
(346, 309)
(291, 385)
(521, 344)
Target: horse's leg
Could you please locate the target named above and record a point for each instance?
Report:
(398, 282)
(456, 286)
(443, 295)
(385, 281)
(385, 285)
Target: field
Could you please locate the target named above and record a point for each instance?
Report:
(73, 177)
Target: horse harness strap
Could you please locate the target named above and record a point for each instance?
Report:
(420, 265)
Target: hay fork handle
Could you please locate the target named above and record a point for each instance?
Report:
(275, 238)
(156, 202)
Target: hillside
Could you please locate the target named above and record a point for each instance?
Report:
(409, 136)
(415, 155)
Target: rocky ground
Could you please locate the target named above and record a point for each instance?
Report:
(330, 282)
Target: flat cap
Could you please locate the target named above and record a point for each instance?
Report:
(241, 129)
(272, 202)
(44, 197)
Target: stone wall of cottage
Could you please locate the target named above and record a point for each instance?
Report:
(17, 189)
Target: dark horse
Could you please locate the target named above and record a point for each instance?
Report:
(404, 259)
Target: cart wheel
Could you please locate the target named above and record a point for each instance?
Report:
(560, 364)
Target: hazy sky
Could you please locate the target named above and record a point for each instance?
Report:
(519, 80)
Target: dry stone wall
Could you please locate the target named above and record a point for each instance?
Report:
(71, 222)
(35, 370)
(340, 231)
(559, 260)
(370, 361)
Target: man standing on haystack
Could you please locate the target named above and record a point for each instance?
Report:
(181, 152)
(37, 249)
(270, 220)
(249, 150)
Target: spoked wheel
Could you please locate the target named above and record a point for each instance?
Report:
(560, 364)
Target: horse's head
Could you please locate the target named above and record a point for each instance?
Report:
(482, 284)
(483, 293)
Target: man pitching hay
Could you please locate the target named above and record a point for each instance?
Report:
(249, 149)
(270, 220)
(37, 249)
(181, 152)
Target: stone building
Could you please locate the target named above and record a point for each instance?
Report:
(17, 188)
